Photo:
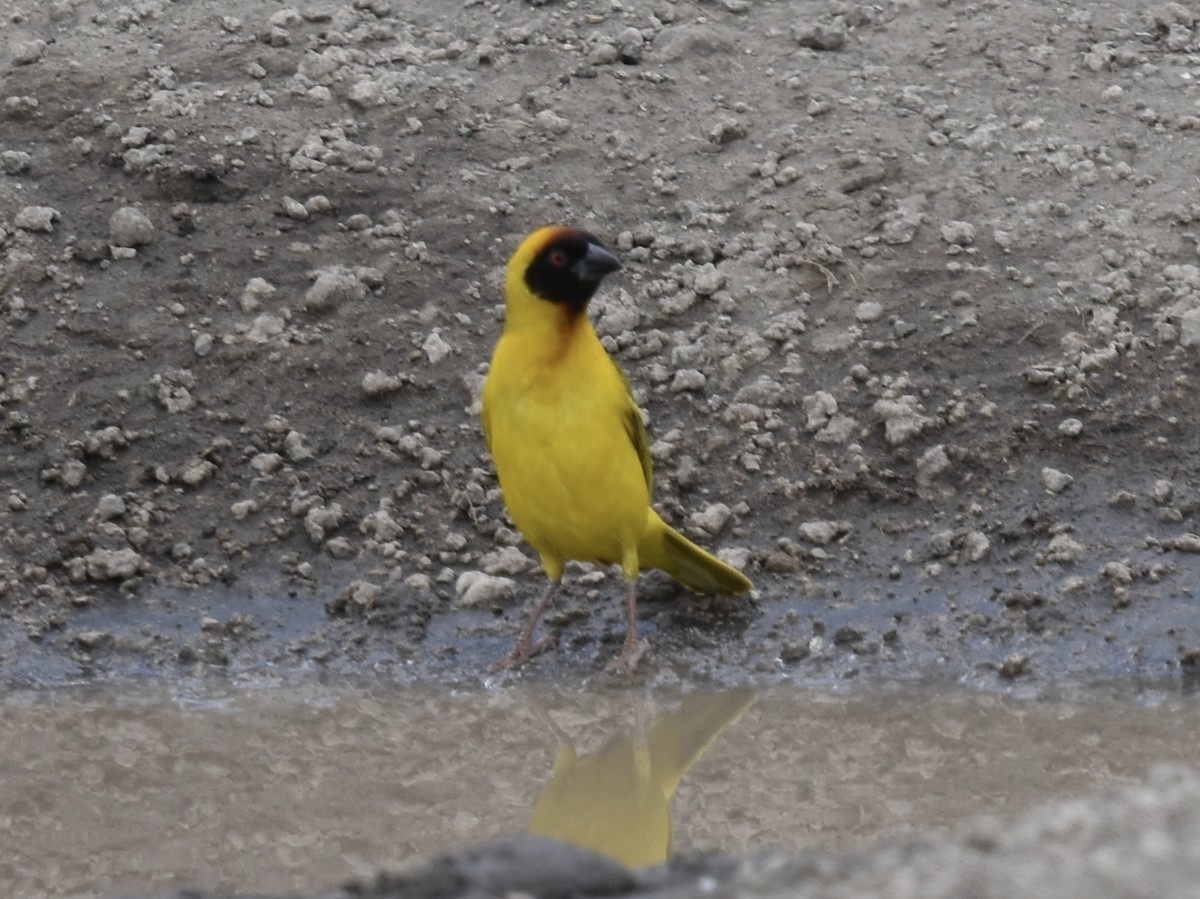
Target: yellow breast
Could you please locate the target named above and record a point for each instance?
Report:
(555, 408)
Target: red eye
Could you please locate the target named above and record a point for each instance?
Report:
(558, 258)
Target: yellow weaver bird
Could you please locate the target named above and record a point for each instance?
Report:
(568, 441)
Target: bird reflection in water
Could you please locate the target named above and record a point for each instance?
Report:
(617, 800)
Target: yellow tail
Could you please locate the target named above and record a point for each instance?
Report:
(665, 548)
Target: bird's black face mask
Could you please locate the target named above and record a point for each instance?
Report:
(569, 269)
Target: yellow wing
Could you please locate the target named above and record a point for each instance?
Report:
(636, 429)
(486, 419)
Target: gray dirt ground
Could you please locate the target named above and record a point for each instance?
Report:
(912, 303)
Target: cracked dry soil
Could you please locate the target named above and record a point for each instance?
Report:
(912, 304)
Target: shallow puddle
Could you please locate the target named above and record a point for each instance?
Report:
(302, 787)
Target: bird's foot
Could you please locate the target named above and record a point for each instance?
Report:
(523, 652)
(631, 654)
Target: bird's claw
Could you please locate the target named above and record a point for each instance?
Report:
(523, 652)
(631, 654)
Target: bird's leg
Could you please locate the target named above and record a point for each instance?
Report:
(635, 647)
(526, 649)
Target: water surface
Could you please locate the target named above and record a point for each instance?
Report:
(153, 788)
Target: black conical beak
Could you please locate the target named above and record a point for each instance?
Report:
(596, 264)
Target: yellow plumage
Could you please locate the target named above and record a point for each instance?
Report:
(567, 438)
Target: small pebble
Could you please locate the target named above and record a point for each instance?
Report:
(435, 348)
(333, 287)
(254, 293)
(822, 533)
(475, 589)
(961, 233)
(869, 311)
(1056, 481)
(714, 517)
(130, 227)
(1162, 491)
(37, 218)
(688, 379)
(26, 53)
(294, 209)
(1014, 666)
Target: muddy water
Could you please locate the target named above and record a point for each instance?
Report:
(278, 788)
